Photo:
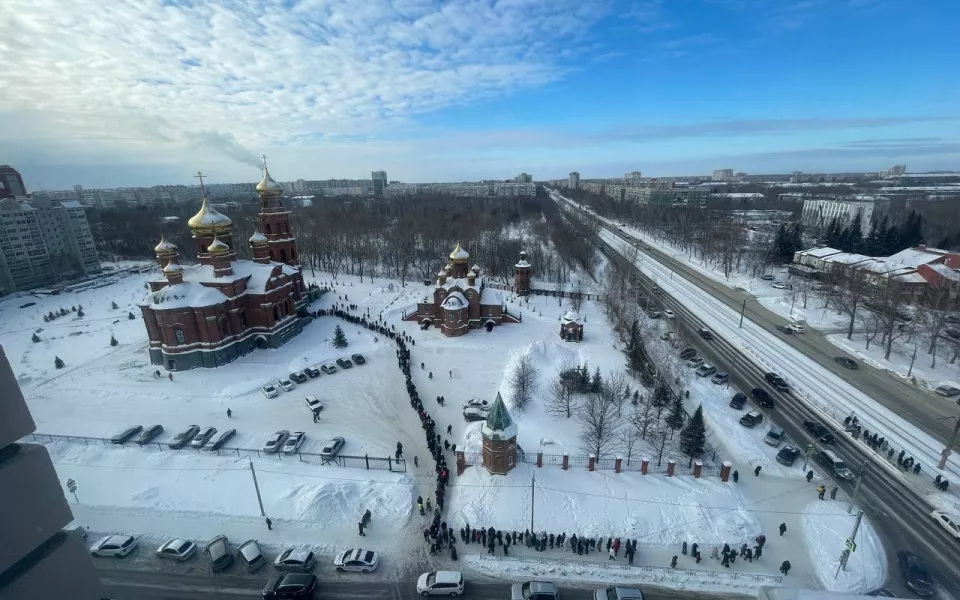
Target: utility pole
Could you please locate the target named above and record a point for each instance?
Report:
(256, 486)
(533, 492)
(953, 440)
(851, 545)
(856, 489)
(910, 370)
(743, 309)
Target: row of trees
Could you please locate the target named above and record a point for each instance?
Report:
(885, 237)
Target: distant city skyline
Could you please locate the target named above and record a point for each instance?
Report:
(464, 91)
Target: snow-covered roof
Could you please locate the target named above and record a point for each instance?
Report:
(259, 274)
(208, 216)
(914, 257)
(218, 247)
(948, 272)
(164, 245)
(849, 258)
(461, 283)
(822, 252)
(184, 295)
(459, 254)
(70, 204)
(475, 268)
(499, 425)
(455, 301)
(490, 297)
(570, 317)
(523, 263)
(172, 267)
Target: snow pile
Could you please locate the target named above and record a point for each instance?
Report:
(825, 527)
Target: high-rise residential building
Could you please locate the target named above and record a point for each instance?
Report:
(722, 174)
(573, 180)
(37, 558)
(11, 183)
(633, 177)
(523, 178)
(379, 183)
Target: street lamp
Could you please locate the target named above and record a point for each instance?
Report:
(953, 440)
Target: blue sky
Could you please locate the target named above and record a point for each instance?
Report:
(153, 90)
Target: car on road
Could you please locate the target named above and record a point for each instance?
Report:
(655, 289)
(358, 560)
(122, 437)
(618, 593)
(654, 314)
(222, 439)
(694, 363)
(275, 441)
(768, 277)
(286, 385)
(251, 555)
(440, 583)
(846, 362)
(778, 285)
(688, 353)
(720, 378)
(705, 333)
(820, 432)
(784, 329)
(778, 382)
(332, 448)
(669, 314)
(787, 455)
(329, 368)
(183, 437)
(270, 391)
(477, 403)
(947, 391)
(534, 590)
(116, 546)
(293, 442)
(178, 550)
(312, 372)
(706, 370)
(797, 328)
(148, 434)
(475, 413)
(751, 419)
(738, 401)
(313, 403)
(218, 551)
(950, 523)
(915, 574)
(835, 464)
(203, 436)
(291, 586)
(298, 376)
(295, 560)
(358, 358)
(762, 397)
(344, 363)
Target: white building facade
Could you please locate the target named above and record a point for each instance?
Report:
(820, 212)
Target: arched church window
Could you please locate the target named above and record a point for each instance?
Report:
(224, 327)
(243, 320)
(266, 228)
(178, 335)
(283, 255)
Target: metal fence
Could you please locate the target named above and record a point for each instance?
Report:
(357, 462)
(683, 466)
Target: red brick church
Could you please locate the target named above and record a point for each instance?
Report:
(209, 314)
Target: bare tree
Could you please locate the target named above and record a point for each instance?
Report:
(560, 401)
(523, 382)
(661, 435)
(598, 417)
(643, 418)
(628, 441)
(616, 387)
(851, 290)
(940, 297)
(576, 296)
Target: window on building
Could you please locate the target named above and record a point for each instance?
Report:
(276, 312)
(283, 255)
(224, 327)
(243, 320)
(178, 335)
(266, 228)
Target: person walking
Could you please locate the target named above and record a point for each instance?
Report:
(736, 476)
(821, 491)
(783, 529)
(611, 554)
(916, 469)
(694, 548)
(366, 517)
(696, 555)
(416, 461)
(673, 562)
(833, 492)
(809, 475)
(785, 567)
(420, 505)
(756, 472)
(269, 524)
(229, 414)
(748, 554)
(360, 526)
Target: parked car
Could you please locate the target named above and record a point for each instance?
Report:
(779, 285)
(669, 314)
(218, 551)
(849, 363)
(291, 586)
(654, 314)
(820, 432)
(332, 448)
(313, 403)
(952, 319)
(915, 574)
(787, 455)
(784, 329)
(440, 583)
(617, 593)
(178, 550)
(358, 358)
(796, 328)
(775, 436)
(312, 372)
(222, 439)
(947, 391)
(116, 546)
(251, 556)
(768, 277)
(835, 464)
(881, 593)
(762, 397)
(293, 442)
(148, 434)
(477, 403)
(203, 436)
(688, 353)
(270, 391)
(751, 419)
(666, 336)
(298, 376)
(359, 560)
(183, 438)
(951, 524)
(286, 385)
(738, 401)
(705, 333)
(126, 435)
(475, 413)
(275, 441)
(706, 370)
(329, 369)
(344, 363)
(534, 590)
(294, 560)
(695, 362)
(720, 378)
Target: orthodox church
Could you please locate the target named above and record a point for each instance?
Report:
(208, 314)
(460, 301)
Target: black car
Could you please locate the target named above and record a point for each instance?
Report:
(762, 397)
(290, 586)
(312, 371)
(915, 574)
(344, 363)
(222, 439)
(126, 435)
(148, 434)
(298, 376)
(358, 358)
(776, 381)
(784, 329)
(705, 333)
(882, 593)
(787, 455)
(183, 438)
(688, 353)
(820, 431)
(738, 401)
(849, 363)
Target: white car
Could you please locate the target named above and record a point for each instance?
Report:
(293, 442)
(779, 285)
(796, 328)
(270, 391)
(947, 522)
(178, 550)
(116, 546)
(359, 560)
(669, 314)
(477, 403)
(203, 436)
(706, 370)
(286, 384)
(440, 583)
(275, 442)
(329, 368)
(474, 413)
(618, 593)
(313, 403)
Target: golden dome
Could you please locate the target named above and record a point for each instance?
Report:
(165, 247)
(267, 184)
(209, 220)
(172, 267)
(459, 255)
(258, 239)
(218, 248)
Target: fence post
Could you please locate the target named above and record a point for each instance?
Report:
(593, 462)
(390, 464)
(366, 459)
(461, 463)
(539, 458)
(671, 465)
(697, 467)
(725, 471)
(617, 464)
(566, 461)
(644, 465)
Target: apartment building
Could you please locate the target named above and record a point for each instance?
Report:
(467, 190)
(722, 175)
(573, 180)
(11, 183)
(820, 212)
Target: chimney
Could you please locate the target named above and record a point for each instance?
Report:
(922, 247)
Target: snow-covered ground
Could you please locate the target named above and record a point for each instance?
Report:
(826, 527)
(104, 388)
(901, 356)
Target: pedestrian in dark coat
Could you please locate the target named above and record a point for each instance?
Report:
(726, 549)
(491, 546)
(748, 554)
(726, 561)
(736, 476)
(900, 458)
(683, 549)
(500, 538)
(696, 555)
(756, 472)
(673, 562)
(453, 553)
(483, 537)
(693, 549)
(757, 552)
(573, 543)
(506, 549)
(360, 524)
(616, 547)
(609, 543)
(733, 557)
(833, 492)
(809, 475)
(916, 469)
(890, 454)
(785, 567)
(551, 541)
(579, 547)
(783, 528)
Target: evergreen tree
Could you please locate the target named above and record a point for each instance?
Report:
(873, 243)
(73, 309)
(693, 438)
(852, 235)
(661, 396)
(584, 378)
(113, 340)
(832, 235)
(46, 318)
(596, 384)
(58, 362)
(634, 336)
(114, 306)
(910, 232)
(130, 316)
(636, 398)
(339, 338)
(796, 240)
(676, 417)
(35, 339)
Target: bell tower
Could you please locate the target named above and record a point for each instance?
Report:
(275, 221)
